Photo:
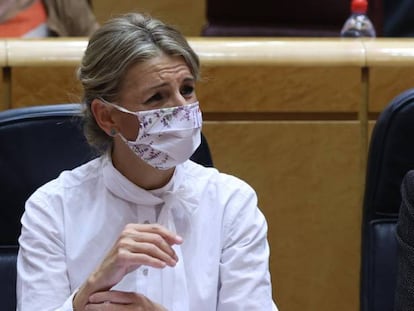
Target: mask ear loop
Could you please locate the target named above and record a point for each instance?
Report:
(113, 131)
(116, 106)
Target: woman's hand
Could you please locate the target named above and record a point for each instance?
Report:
(138, 244)
(121, 301)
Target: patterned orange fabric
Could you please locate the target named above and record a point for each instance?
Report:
(25, 21)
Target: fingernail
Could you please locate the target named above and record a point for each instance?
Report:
(178, 239)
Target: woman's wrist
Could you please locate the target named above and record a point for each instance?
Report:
(91, 285)
(81, 298)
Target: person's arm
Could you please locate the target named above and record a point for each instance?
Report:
(244, 270)
(138, 244)
(42, 280)
(404, 298)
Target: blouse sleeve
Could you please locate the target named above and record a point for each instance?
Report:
(244, 269)
(42, 280)
(404, 299)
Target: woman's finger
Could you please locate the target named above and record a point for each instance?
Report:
(149, 243)
(169, 236)
(114, 296)
(134, 260)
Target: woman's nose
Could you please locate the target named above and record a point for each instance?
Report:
(179, 100)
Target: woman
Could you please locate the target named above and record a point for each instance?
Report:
(142, 227)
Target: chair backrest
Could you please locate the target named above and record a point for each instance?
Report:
(36, 144)
(398, 18)
(391, 156)
(280, 18)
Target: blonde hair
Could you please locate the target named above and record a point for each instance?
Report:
(112, 49)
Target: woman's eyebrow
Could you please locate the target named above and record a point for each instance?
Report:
(189, 79)
(156, 86)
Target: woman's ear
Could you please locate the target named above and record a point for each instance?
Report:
(103, 115)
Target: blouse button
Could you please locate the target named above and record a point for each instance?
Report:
(145, 272)
(146, 222)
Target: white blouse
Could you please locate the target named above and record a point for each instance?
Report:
(71, 223)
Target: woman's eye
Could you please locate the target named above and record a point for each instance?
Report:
(187, 90)
(155, 97)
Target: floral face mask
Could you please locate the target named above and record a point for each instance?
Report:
(166, 136)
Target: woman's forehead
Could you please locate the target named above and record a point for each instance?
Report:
(156, 70)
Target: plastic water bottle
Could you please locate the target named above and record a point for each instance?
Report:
(358, 24)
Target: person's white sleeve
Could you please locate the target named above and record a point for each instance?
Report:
(244, 270)
(68, 305)
(42, 280)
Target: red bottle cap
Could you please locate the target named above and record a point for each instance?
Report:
(359, 6)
